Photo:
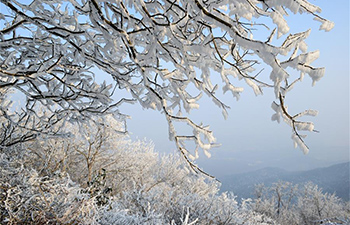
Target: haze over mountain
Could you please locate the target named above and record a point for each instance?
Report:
(332, 179)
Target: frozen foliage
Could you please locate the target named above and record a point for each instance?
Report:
(51, 181)
(290, 204)
(96, 175)
(27, 198)
(166, 54)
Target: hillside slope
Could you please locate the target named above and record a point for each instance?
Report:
(332, 179)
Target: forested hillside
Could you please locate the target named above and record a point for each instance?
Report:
(333, 179)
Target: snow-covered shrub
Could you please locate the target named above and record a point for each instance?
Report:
(315, 205)
(27, 198)
(97, 175)
(291, 204)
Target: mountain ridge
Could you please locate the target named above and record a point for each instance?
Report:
(332, 179)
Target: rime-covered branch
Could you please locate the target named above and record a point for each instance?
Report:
(157, 51)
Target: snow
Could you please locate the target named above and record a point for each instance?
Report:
(326, 25)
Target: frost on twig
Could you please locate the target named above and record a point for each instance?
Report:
(281, 110)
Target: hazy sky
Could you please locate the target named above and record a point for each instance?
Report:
(250, 140)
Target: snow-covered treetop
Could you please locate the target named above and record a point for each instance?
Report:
(156, 50)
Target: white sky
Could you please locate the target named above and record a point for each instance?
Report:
(250, 140)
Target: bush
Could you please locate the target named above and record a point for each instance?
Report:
(101, 177)
(290, 204)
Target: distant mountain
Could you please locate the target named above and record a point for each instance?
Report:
(332, 179)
